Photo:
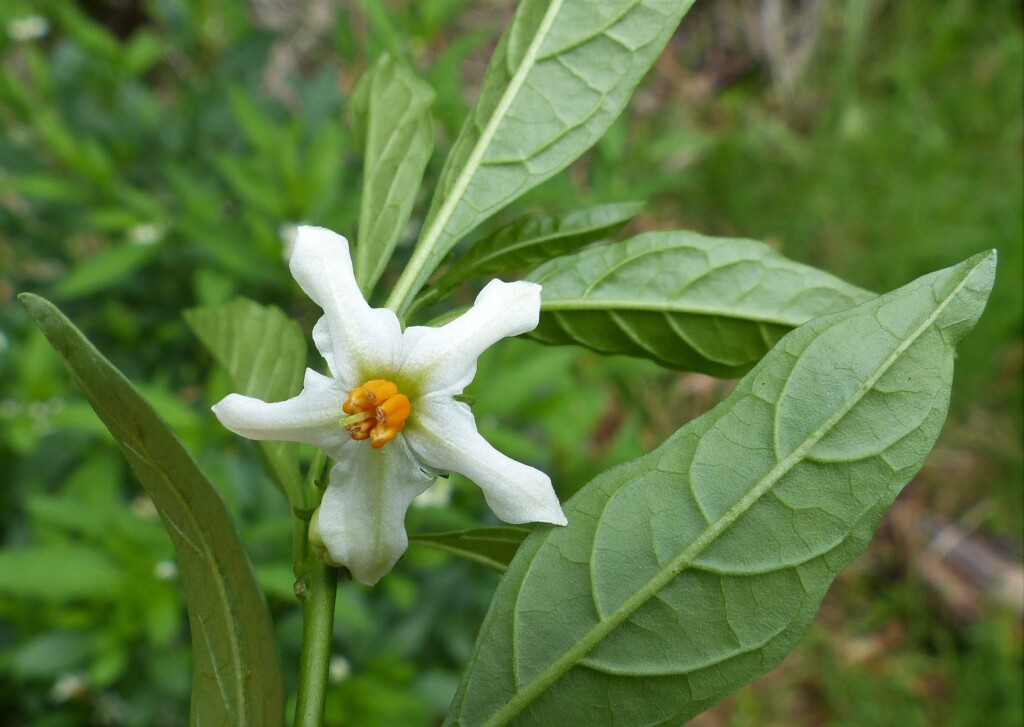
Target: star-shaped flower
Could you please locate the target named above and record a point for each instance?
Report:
(387, 414)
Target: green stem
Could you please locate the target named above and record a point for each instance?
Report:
(316, 588)
(317, 626)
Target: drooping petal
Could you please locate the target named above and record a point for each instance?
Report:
(446, 439)
(444, 359)
(361, 519)
(353, 338)
(311, 416)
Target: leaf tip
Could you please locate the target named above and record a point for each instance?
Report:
(36, 305)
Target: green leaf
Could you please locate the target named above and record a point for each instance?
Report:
(562, 72)
(60, 573)
(686, 301)
(493, 547)
(533, 239)
(392, 112)
(264, 353)
(52, 653)
(690, 571)
(104, 270)
(236, 678)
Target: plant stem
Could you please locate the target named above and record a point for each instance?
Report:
(316, 588)
(317, 626)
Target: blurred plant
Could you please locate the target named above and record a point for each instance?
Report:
(156, 159)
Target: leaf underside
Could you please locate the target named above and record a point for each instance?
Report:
(696, 568)
(236, 677)
(686, 301)
(493, 547)
(535, 238)
(560, 75)
(392, 109)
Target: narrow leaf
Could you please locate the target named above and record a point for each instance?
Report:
(562, 72)
(493, 547)
(694, 569)
(264, 353)
(104, 270)
(61, 573)
(236, 677)
(392, 110)
(533, 239)
(689, 302)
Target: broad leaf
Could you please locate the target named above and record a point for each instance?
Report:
(264, 353)
(236, 678)
(689, 302)
(493, 547)
(392, 114)
(692, 570)
(533, 239)
(562, 72)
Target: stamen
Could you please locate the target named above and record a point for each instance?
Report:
(370, 394)
(394, 411)
(376, 411)
(356, 417)
(361, 430)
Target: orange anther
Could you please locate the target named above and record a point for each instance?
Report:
(376, 411)
(370, 394)
(361, 430)
(394, 411)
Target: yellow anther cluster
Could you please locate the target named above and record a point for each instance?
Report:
(376, 411)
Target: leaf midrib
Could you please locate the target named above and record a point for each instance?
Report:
(137, 447)
(497, 118)
(516, 247)
(590, 304)
(589, 640)
(428, 241)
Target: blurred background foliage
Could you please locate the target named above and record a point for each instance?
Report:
(154, 156)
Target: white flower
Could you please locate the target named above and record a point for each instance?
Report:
(29, 27)
(387, 414)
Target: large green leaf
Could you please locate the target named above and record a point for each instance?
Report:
(690, 571)
(392, 113)
(533, 239)
(689, 302)
(562, 72)
(493, 547)
(236, 678)
(264, 353)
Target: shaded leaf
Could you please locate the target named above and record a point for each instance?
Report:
(686, 301)
(264, 353)
(392, 114)
(533, 239)
(493, 547)
(690, 571)
(104, 270)
(60, 573)
(236, 678)
(562, 72)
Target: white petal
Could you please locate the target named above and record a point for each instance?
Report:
(444, 359)
(362, 515)
(357, 341)
(445, 438)
(311, 416)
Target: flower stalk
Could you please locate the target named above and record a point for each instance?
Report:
(316, 588)
(320, 584)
